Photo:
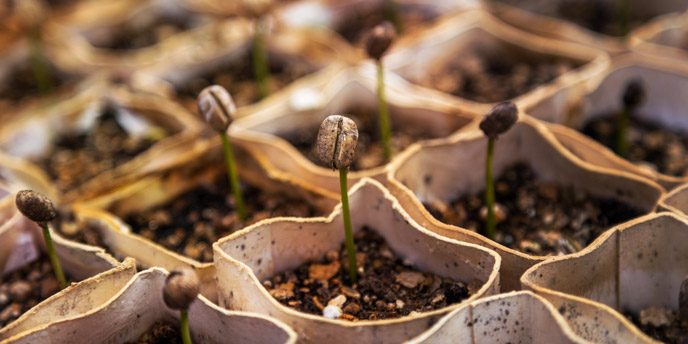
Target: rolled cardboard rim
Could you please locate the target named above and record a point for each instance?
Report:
(676, 201)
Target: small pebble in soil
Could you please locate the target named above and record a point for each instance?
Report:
(661, 149)
(388, 288)
(540, 218)
(660, 323)
(160, 332)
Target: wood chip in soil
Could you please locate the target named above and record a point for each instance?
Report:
(661, 324)
(495, 76)
(388, 288)
(369, 153)
(25, 288)
(160, 332)
(537, 218)
(661, 149)
(76, 158)
(192, 222)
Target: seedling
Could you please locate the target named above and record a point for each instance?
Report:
(337, 140)
(38, 208)
(181, 289)
(632, 97)
(392, 13)
(624, 17)
(257, 10)
(217, 107)
(496, 122)
(31, 14)
(379, 40)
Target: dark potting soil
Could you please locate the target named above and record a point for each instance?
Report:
(386, 289)
(496, 76)
(238, 78)
(76, 158)
(369, 153)
(22, 84)
(599, 16)
(160, 333)
(192, 222)
(25, 288)
(142, 33)
(538, 218)
(362, 19)
(665, 150)
(83, 232)
(661, 324)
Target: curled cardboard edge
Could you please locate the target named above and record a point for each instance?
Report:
(310, 103)
(138, 304)
(239, 285)
(676, 201)
(599, 287)
(556, 93)
(514, 262)
(645, 39)
(520, 316)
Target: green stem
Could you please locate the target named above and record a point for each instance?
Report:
(350, 247)
(383, 113)
(233, 177)
(624, 19)
(186, 334)
(621, 144)
(393, 15)
(260, 61)
(57, 268)
(40, 71)
(489, 191)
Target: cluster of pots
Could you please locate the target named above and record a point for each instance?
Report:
(521, 296)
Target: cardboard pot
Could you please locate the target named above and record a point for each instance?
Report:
(272, 246)
(516, 317)
(676, 201)
(445, 170)
(638, 264)
(139, 304)
(666, 36)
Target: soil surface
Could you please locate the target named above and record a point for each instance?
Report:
(22, 85)
(161, 333)
(369, 153)
(388, 288)
(537, 218)
(76, 158)
(362, 19)
(599, 16)
(142, 33)
(25, 288)
(192, 222)
(86, 233)
(495, 76)
(661, 324)
(659, 148)
(238, 78)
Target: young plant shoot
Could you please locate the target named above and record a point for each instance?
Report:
(379, 40)
(31, 14)
(337, 140)
(180, 290)
(217, 107)
(496, 122)
(633, 96)
(257, 9)
(38, 208)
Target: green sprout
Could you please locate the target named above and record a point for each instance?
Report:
(38, 208)
(180, 290)
(379, 40)
(496, 122)
(624, 17)
(31, 14)
(392, 13)
(336, 143)
(632, 97)
(260, 60)
(217, 107)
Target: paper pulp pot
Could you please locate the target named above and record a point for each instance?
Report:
(516, 317)
(663, 105)
(542, 20)
(676, 201)
(139, 304)
(444, 170)
(272, 246)
(265, 129)
(475, 34)
(638, 264)
(32, 136)
(666, 36)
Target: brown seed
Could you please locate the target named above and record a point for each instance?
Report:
(181, 288)
(36, 207)
(217, 107)
(500, 119)
(337, 140)
(379, 40)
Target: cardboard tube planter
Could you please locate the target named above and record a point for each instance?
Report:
(446, 169)
(676, 201)
(139, 304)
(516, 317)
(666, 36)
(272, 246)
(638, 264)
